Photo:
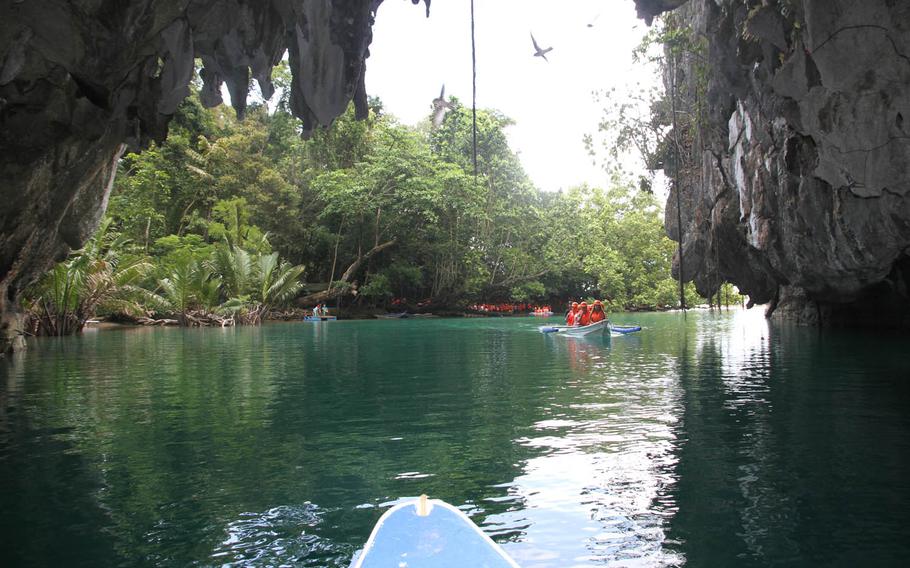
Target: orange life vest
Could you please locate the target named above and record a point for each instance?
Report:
(585, 318)
(598, 315)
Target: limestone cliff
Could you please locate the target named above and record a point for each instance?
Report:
(801, 196)
(82, 80)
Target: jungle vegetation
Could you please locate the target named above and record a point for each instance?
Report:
(227, 221)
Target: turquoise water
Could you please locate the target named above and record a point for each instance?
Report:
(709, 440)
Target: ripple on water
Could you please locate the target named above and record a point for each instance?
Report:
(279, 537)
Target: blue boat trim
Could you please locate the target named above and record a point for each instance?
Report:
(442, 537)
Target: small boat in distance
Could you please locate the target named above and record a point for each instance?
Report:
(542, 313)
(399, 315)
(432, 534)
(624, 329)
(319, 318)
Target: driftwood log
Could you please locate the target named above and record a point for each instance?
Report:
(191, 319)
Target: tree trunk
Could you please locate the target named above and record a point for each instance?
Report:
(12, 325)
(148, 225)
(335, 256)
(330, 293)
(376, 239)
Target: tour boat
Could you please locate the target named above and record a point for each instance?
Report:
(319, 318)
(432, 534)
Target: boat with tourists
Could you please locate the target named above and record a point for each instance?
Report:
(591, 329)
(319, 318)
(430, 533)
(320, 313)
(542, 313)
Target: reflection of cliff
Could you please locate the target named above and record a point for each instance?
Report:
(728, 464)
(48, 497)
(794, 451)
(802, 193)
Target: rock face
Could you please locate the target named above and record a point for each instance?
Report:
(802, 197)
(81, 81)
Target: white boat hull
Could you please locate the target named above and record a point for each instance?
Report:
(432, 534)
(582, 331)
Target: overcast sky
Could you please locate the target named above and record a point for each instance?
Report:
(552, 103)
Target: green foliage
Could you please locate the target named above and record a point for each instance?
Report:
(96, 279)
(614, 246)
(728, 295)
(528, 291)
(232, 214)
(378, 287)
(254, 283)
(277, 282)
(638, 121)
(189, 285)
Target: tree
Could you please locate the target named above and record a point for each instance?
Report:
(255, 285)
(190, 286)
(94, 279)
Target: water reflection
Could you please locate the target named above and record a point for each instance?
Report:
(789, 450)
(708, 439)
(604, 443)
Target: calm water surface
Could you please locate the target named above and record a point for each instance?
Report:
(709, 440)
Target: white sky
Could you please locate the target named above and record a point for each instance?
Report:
(551, 103)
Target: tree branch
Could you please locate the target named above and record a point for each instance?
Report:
(334, 292)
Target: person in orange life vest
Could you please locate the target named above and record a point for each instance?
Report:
(578, 312)
(570, 315)
(597, 312)
(584, 316)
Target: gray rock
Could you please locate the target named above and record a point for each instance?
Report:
(802, 198)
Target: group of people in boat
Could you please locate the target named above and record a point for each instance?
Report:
(320, 310)
(579, 314)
